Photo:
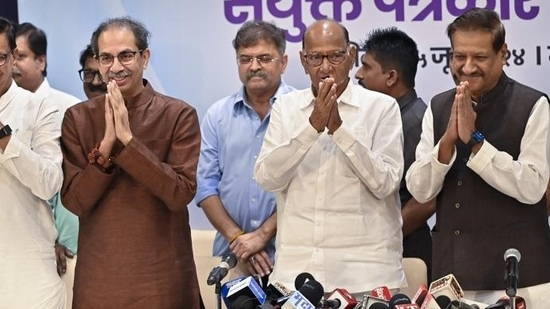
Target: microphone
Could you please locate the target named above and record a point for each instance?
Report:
(308, 294)
(225, 288)
(275, 291)
(399, 299)
(511, 276)
(371, 302)
(506, 302)
(407, 306)
(250, 289)
(443, 301)
(243, 302)
(330, 303)
(229, 260)
(301, 279)
(382, 292)
(378, 306)
(455, 304)
(402, 301)
(420, 295)
(430, 302)
(340, 299)
(447, 286)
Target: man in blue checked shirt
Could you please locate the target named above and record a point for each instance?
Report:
(232, 134)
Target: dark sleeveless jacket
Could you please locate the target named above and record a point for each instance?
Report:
(476, 223)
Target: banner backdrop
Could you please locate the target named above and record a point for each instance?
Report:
(193, 59)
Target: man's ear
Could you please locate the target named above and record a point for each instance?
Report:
(40, 62)
(352, 55)
(302, 56)
(146, 54)
(393, 77)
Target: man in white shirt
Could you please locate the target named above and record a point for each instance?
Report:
(333, 153)
(31, 66)
(30, 173)
(30, 73)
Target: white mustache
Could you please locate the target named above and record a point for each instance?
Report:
(119, 74)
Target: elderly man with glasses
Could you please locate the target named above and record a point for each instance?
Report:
(130, 160)
(333, 155)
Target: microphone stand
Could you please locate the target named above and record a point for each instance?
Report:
(217, 290)
(513, 302)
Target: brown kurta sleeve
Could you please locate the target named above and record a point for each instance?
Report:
(172, 181)
(84, 184)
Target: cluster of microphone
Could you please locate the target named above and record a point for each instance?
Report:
(443, 293)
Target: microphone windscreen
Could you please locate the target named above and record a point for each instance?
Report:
(443, 301)
(512, 253)
(312, 291)
(397, 299)
(301, 279)
(378, 306)
(230, 259)
(430, 303)
(243, 302)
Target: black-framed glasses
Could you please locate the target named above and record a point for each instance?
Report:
(126, 57)
(262, 59)
(4, 57)
(87, 75)
(316, 59)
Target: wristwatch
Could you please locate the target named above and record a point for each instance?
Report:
(477, 138)
(5, 131)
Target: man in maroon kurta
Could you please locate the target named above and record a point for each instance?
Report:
(130, 158)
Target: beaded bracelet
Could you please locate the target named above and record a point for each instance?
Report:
(95, 157)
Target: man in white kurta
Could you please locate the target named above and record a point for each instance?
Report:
(30, 73)
(30, 173)
(337, 202)
(338, 211)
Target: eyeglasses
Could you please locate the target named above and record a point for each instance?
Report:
(4, 57)
(125, 58)
(262, 60)
(316, 59)
(87, 75)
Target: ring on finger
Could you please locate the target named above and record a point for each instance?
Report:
(253, 259)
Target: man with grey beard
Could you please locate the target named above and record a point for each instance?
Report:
(232, 134)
